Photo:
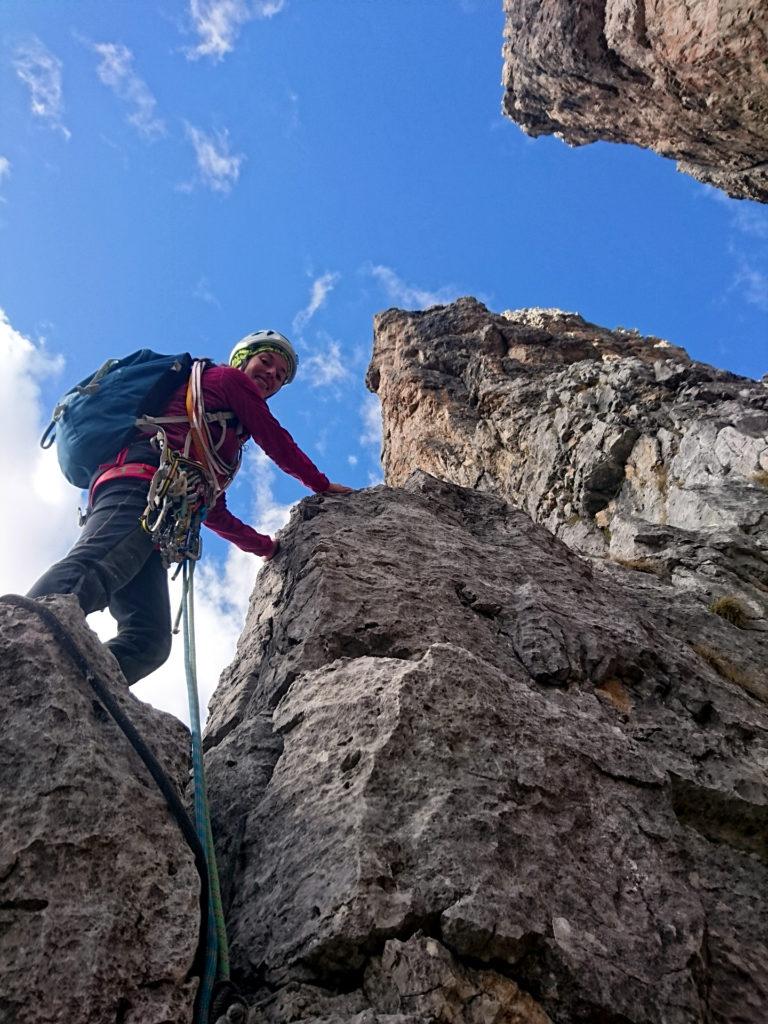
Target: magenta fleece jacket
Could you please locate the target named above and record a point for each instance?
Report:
(228, 389)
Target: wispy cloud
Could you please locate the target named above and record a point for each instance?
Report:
(115, 70)
(752, 283)
(218, 23)
(41, 72)
(5, 168)
(747, 247)
(204, 293)
(269, 515)
(747, 217)
(321, 288)
(218, 168)
(328, 367)
(409, 295)
(370, 413)
(293, 119)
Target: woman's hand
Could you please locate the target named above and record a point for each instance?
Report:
(338, 489)
(273, 552)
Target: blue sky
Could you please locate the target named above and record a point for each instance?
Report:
(175, 174)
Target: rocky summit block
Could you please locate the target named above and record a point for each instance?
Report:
(621, 445)
(687, 79)
(461, 774)
(99, 904)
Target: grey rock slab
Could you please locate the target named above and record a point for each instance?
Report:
(479, 735)
(99, 905)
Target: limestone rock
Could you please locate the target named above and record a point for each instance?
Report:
(685, 79)
(500, 784)
(421, 976)
(621, 445)
(99, 911)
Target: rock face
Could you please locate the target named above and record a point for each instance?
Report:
(687, 79)
(99, 910)
(620, 445)
(462, 774)
(494, 747)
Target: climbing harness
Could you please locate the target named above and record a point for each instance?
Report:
(187, 483)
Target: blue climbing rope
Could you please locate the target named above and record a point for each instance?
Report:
(217, 952)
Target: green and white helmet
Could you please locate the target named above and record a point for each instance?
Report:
(265, 341)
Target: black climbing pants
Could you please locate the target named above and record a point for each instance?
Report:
(114, 565)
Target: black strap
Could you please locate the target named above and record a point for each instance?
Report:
(46, 441)
(153, 766)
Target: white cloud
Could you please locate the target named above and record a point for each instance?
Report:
(370, 412)
(39, 514)
(408, 295)
(352, 460)
(218, 23)
(116, 71)
(219, 169)
(41, 72)
(327, 367)
(5, 167)
(321, 288)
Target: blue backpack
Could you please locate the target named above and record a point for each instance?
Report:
(96, 418)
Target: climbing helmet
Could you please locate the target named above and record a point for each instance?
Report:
(265, 341)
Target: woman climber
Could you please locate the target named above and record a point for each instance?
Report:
(115, 562)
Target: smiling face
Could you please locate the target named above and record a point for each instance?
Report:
(268, 371)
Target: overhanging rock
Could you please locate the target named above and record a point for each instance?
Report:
(685, 79)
